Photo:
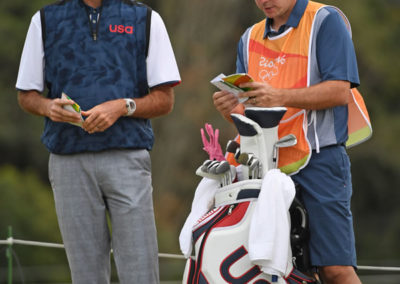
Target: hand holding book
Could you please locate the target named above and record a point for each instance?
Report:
(73, 108)
(231, 83)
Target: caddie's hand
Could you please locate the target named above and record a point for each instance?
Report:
(261, 95)
(102, 116)
(225, 102)
(57, 113)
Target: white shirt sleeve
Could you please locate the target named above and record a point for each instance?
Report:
(161, 63)
(31, 68)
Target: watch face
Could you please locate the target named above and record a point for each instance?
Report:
(130, 106)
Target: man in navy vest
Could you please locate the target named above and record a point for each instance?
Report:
(108, 67)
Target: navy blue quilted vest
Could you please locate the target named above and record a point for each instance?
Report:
(93, 65)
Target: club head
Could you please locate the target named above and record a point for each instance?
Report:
(243, 159)
(286, 141)
(250, 159)
(254, 163)
(212, 167)
(222, 167)
(237, 154)
(232, 146)
(205, 165)
(254, 167)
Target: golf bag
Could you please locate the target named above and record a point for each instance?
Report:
(221, 246)
(222, 239)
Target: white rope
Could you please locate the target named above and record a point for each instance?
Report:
(169, 255)
(378, 268)
(11, 241)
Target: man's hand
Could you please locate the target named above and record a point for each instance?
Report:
(324, 95)
(57, 113)
(225, 102)
(102, 116)
(261, 94)
(33, 102)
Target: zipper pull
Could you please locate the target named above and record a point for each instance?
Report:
(230, 209)
(94, 36)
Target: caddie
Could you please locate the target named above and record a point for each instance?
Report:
(301, 56)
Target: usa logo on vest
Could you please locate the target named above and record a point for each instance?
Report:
(121, 29)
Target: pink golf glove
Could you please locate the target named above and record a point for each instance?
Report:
(212, 147)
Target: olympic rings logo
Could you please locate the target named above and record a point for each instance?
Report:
(270, 67)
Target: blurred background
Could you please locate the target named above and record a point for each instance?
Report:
(204, 34)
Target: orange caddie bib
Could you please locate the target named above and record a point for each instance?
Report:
(283, 62)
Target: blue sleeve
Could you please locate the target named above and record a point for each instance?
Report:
(335, 50)
(240, 65)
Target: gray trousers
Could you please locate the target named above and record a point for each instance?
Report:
(88, 185)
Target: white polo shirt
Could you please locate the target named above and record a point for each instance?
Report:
(161, 62)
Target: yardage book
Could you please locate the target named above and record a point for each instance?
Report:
(74, 108)
(231, 83)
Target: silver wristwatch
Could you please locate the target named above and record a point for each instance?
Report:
(130, 107)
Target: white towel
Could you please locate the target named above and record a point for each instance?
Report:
(269, 234)
(203, 202)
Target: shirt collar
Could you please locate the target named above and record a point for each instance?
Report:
(293, 21)
(83, 4)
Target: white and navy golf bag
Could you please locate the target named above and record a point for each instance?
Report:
(246, 226)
